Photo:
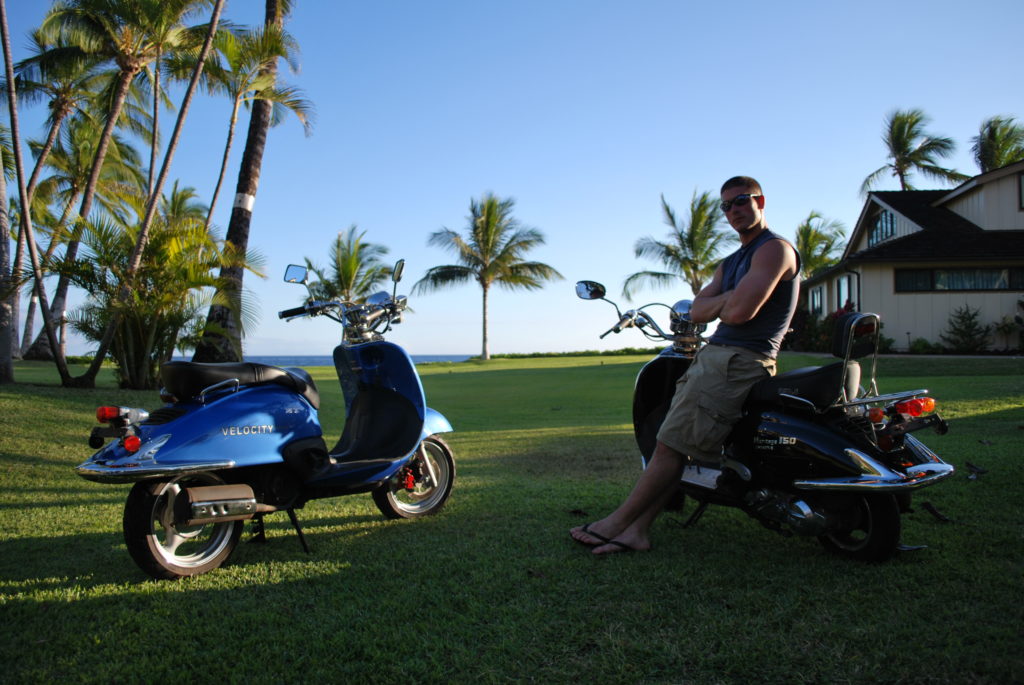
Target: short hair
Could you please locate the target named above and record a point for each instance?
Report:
(742, 182)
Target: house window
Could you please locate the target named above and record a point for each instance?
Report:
(1020, 189)
(885, 228)
(929, 280)
(815, 301)
(843, 292)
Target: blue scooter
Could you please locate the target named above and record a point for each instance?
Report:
(237, 441)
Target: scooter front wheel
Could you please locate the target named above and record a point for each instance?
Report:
(423, 486)
(165, 550)
(870, 530)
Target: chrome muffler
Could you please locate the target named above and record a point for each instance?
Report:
(215, 503)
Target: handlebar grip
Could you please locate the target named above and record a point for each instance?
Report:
(288, 313)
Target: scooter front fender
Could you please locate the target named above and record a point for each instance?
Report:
(434, 422)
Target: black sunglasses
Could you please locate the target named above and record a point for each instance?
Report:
(739, 201)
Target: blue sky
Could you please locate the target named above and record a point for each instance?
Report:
(584, 112)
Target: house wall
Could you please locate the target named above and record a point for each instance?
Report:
(926, 315)
(994, 206)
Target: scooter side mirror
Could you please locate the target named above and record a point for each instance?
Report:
(296, 274)
(396, 273)
(590, 290)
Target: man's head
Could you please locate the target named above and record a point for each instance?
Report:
(743, 204)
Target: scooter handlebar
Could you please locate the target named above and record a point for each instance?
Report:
(289, 313)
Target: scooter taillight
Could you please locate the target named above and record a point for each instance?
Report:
(132, 443)
(915, 407)
(107, 414)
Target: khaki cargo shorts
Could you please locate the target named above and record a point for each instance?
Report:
(709, 399)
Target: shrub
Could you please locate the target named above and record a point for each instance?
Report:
(965, 335)
(922, 346)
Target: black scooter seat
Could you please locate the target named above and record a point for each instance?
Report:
(186, 380)
(819, 385)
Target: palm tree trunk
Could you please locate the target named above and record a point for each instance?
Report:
(89, 377)
(217, 346)
(8, 325)
(156, 126)
(30, 315)
(485, 352)
(224, 161)
(26, 220)
(20, 348)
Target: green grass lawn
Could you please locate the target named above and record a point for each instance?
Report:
(492, 589)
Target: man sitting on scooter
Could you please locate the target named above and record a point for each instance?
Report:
(753, 295)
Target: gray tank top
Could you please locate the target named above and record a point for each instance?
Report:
(765, 331)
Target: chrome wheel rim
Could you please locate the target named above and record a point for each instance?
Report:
(429, 491)
(185, 547)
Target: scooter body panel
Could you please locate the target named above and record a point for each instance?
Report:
(247, 427)
(655, 386)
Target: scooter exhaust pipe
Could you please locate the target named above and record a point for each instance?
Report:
(215, 503)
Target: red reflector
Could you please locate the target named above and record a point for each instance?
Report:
(105, 414)
(132, 443)
(875, 415)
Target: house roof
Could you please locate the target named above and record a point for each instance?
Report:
(944, 233)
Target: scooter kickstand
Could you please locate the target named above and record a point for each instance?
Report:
(695, 516)
(298, 529)
(259, 533)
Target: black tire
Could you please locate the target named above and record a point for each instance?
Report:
(870, 529)
(433, 470)
(164, 551)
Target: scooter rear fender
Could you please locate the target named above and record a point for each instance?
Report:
(249, 427)
(784, 448)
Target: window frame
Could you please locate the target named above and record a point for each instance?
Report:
(1014, 276)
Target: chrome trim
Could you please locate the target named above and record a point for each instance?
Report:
(221, 508)
(132, 472)
(217, 386)
(802, 400)
(891, 397)
(918, 477)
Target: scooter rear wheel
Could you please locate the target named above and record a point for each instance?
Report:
(432, 469)
(871, 530)
(161, 548)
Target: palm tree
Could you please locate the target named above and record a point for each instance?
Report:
(25, 219)
(8, 327)
(691, 252)
(222, 339)
(999, 142)
(65, 79)
(817, 241)
(355, 269)
(70, 164)
(910, 148)
(127, 32)
(170, 289)
(491, 253)
(117, 31)
(244, 76)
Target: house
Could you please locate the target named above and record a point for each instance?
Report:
(916, 256)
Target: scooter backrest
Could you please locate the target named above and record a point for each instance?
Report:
(856, 333)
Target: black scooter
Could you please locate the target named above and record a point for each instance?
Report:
(815, 454)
